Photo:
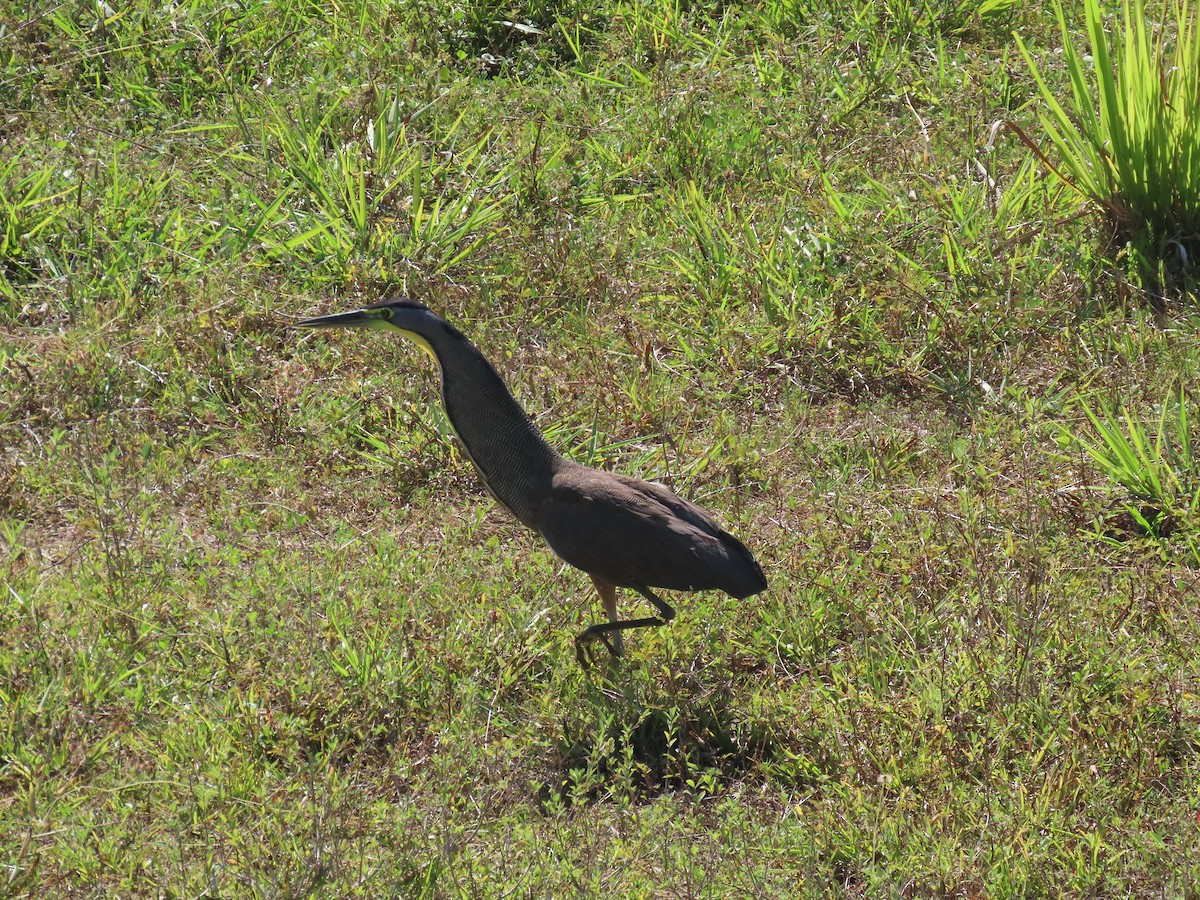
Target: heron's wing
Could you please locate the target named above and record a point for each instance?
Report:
(684, 509)
(634, 533)
(741, 575)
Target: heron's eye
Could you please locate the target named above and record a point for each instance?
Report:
(386, 312)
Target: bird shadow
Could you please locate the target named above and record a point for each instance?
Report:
(637, 737)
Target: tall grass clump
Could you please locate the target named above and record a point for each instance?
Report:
(1158, 472)
(1134, 148)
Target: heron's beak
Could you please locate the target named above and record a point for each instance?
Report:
(358, 318)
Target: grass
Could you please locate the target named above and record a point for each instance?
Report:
(264, 634)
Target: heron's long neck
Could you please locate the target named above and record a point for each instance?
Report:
(510, 453)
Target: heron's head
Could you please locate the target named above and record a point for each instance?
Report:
(414, 320)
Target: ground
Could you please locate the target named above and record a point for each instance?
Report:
(265, 634)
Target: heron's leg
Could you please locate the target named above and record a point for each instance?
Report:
(664, 609)
(608, 596)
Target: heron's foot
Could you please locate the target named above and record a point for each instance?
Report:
(602, 630)
(585, 648)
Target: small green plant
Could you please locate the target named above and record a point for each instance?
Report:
(378, 197)
(27, 208)
(714, 268)
(1160, 473)
(946, 17)
(786, 255)
(1134, 150)
(897, 18)
(343, 194)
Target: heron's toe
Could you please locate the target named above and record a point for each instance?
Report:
(585, 647)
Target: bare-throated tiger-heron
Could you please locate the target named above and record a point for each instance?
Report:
(623, 532)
